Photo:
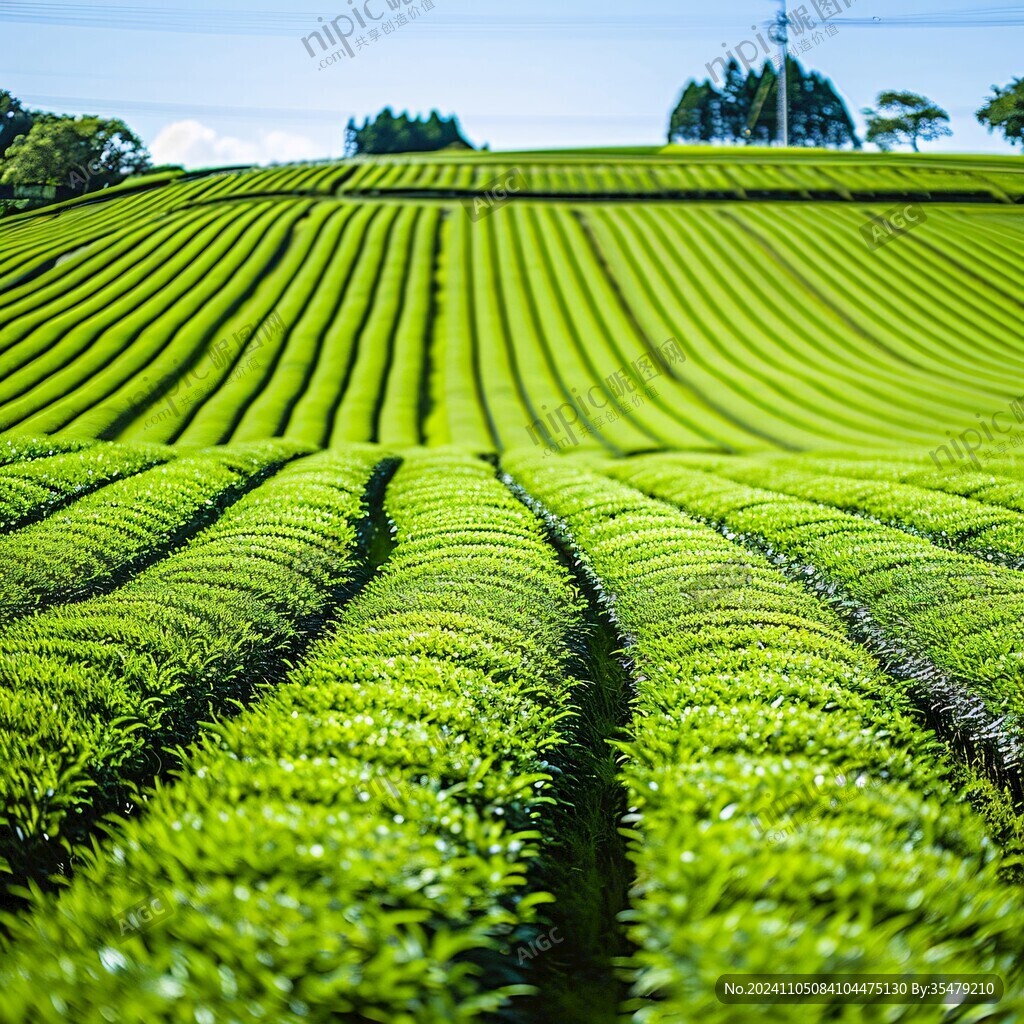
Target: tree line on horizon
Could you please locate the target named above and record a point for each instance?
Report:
(743, 108)
(388, 133)
(40, 149)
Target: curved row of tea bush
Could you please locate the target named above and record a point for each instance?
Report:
(205, 301)
(944, 519)
(357, 846)
(789, 815)
(672, 172)
(356, 270)
(92, 693)
(698, 274)
(402, 298)
(405, 396)
(103, 538)
(621, 172)
(542, 321)
(19, 448)
(963, 617)
(32, 244)
(33, 487)
(256, 404)
(35, 312)
(237, 382)
(62, 355)
(997, 482)
(930, 332)
(40, 243)
(358, 313)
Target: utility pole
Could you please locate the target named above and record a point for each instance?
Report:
(782, 36)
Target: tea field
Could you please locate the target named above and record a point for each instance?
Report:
(424, 599)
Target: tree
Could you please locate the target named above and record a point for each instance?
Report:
(434, 131)
(822, 116)
(733, 103)
(83, 152)
(745, 110)
(905, 117)
(694, 118)
(390, 134)
(351, 137)
(762, 108)
(758, 90)
(1005, 111)
(383, 135)
(15, 120)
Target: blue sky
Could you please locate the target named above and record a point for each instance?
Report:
(240, 86)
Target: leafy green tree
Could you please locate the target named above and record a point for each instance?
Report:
(733, 103)
(451, 135)
(695, 116)
(434, 131)
(759, 106)
(83, 152)
(351, 137)
(386, 133)
(745, 110)
(15, 120)
(1005, 111)
(905, 118)
(762, 110)
(402, 134)
(821, 116)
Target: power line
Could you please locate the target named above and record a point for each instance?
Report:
(985, 17)
(282, 23)
(157, 19)
(268, 22)
(222, 21)
(309, 114)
